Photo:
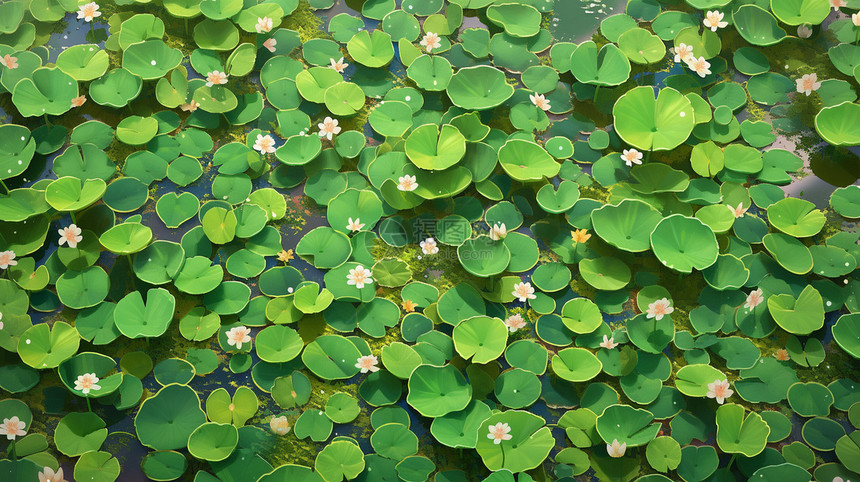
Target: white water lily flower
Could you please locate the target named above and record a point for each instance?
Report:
(754, 299)
(7, 258)
(524, 291)
(615, 449)
(498, 432)
(270, 44)
(808, 83)
(279, 425)
(338, 65)
(191, 106)
(682, 52)
(515, 322)
(659, 309)
(739, 211)
(407, 183)
(699, 66)
(720, 390)
(359, 276)
(608, 342)
(13, 427)
(631, 156)
(215, 78)
(70, 235)
(431, 41)
(367, 363)
(498, 231)
(354, 225)
(48, 475)
(265, 144)
(87, 382)
(428, 246)
(714, 20)
(238, 335)
(264, 25)
(9, 62)
(89, 11)
(804, 31)
(539, 101)
(328, 128)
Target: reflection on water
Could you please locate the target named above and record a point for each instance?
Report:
(577, 20)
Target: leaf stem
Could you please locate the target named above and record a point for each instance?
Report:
(89, 407)
(5, 188)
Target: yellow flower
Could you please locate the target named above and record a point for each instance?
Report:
(580, 236)
(409, 306)
(285, 255)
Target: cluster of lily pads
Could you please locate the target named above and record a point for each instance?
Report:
(536, 259)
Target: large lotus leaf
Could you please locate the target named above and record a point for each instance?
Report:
(641, 46)
(704, 42)
(738, 434)
(530, 443)
(89, 362)
(42, 347)
(800, 316)
(431, 149)
(331, 357)
(518, 20)
(151, 59)
(483, 257)
(846, 332)
(798, 12)
(216, 99)
(344, 98)
(796, 217)
(757, 26)
(439, 184)
(481, 338)
(213, 441)
(627, 225)
(249, 16)
(371, 49)
(683, 243)
(20, 204)
(460, 429)
(391, 119)
(117, 88)
(838, 124)
(166, 420)
(363, 205)
(220, 9)
(435, 391)
(608, 66)
(324, 248)
(16, 150)
(299, 150)
(653, 124)
(126, 238)
(692, 380)
(789, 252)
(430, 72)
(576, 365)
(140, 27)
(83, 62)
(527, 161)
(72, 194)
(136, 319)
(312, 83)
(626, 424)
(49, 91)
(479, 88)
(27, 62)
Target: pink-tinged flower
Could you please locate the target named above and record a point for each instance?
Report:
(265, 144)
(13, 427)
(524, 291)
(608, 342)
(264, 25)
(79, 101)
(270, 44)
(498, 432)
(682, 52)
(338, 65)
(804, 31)
(754, 299)
(428, 246)
(539, 101)
(782, 355)
(87, 382)
(279, 425)
(431, 41)
(215, 78)
(71, 235)
(238, 335)
(89, 11)
(367, 363)
(9, 62)
(699, 66)
(498, 231)
(7, 258)
(359, 276)
(48, 475)
(631, 156)
(407, 183)
(808, 83)
(739, 211)
(615, 449)
(720, 390)
(1, 323)
(328, 128)
(515, 322)
(354, 225)
(714, 20)
(191, 106)
(837, 3)
(659, 309)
